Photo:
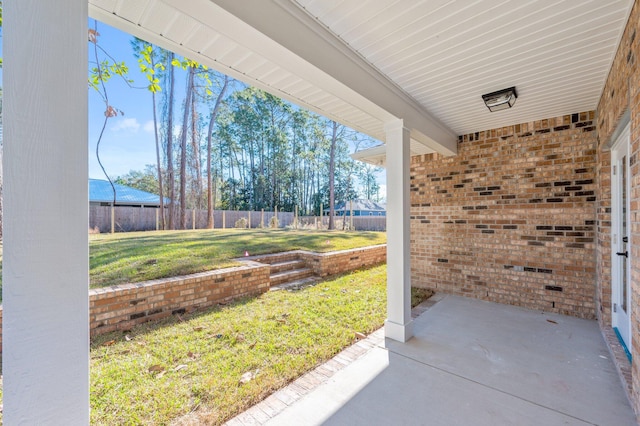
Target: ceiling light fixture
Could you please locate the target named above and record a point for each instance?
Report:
(502, 99)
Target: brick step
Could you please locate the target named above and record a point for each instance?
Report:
(289, 276)
(297, 284)
(287, 265)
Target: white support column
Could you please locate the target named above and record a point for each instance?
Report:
(398, 325)
(46, 261)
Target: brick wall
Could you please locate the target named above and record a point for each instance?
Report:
(614, 102)
(511, 218)
(603, 236)
(123, 306)
(337, 262)
(621, 94)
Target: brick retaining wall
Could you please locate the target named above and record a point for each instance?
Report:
(120, 307)
(123, 306)
(336, 262)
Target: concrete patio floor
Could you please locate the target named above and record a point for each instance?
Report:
(470, 363)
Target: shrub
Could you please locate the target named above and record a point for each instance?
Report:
(273, 222)
(241, 223)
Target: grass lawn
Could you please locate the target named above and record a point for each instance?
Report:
(193, 366)
(140, 256)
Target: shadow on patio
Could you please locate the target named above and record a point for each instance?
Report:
(470, 362)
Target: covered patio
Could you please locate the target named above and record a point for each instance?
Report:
(534, 206)
(469, 362)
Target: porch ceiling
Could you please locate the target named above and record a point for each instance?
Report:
(446, 54)
(366, 62)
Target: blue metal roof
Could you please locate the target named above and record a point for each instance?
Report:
(361, 205)
(100, 191)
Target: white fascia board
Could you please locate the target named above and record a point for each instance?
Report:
(377, 155)
(235, 28)
(357, 81)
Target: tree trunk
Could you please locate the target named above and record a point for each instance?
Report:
(332, 169)
(183, 151)
(195, 147)
(232, 194)
(170, 173)
(212, 119)
(1, 185)
(158, 159)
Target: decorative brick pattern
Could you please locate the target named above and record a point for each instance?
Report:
(621, 94)
(511, 218)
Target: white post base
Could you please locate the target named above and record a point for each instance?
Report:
(399, 332)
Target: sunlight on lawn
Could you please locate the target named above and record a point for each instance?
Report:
(141, 256)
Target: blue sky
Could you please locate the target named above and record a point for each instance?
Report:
(128, 141)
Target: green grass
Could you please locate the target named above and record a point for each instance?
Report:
(418, 295)
(193, 366)
(141, 256)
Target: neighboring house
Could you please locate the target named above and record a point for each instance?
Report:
(101, 194)
(359, 207)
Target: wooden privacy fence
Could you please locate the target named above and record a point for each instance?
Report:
(355, 223)
(130, 219)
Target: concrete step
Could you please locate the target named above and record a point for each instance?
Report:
(289, 276)
(297, 284)
(287, 266)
